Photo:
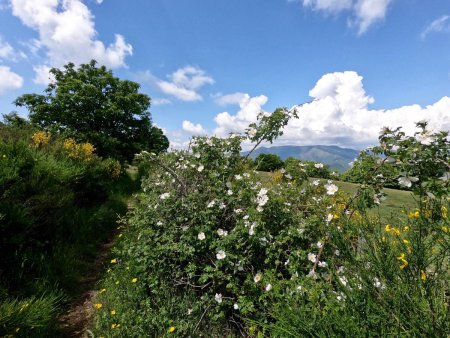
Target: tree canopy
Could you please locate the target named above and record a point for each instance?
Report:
(268, 162)
(90, 104)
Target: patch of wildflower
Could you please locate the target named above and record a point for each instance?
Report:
(84, 151)
(40, 138)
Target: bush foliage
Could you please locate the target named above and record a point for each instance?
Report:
(57, 202)
(210, 250)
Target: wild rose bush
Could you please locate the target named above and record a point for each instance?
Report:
(396, 280)
(210, 250)
(206, 226)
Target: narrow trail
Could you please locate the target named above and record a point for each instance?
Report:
(74, 322)
(79, 316)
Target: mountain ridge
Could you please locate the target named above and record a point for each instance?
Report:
(338, 158)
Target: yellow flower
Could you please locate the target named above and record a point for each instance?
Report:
(423, 275)
(40, 138)
(405, 241)
(87, 149)
(115, 326)
(445, 229)
(387, 228)
(134, 280)
(98, 306)
(114, 261)
(23, 307)
(444, 212)
(406, 228)
(172, 329)
(113, 312)
(403, 260)
(415, 214)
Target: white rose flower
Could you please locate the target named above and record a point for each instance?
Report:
(343, 280)
(426, 138)
(330, 218)
(257, 277)
(218, 298)
(312, 257)
(322, 264)
(200, 168)
(251, 132)
(201, 236)
(331, 188)
(164, 196)
(236, 306)
(407, 181)
(318, 165)
(268, 287)
(222, 233)
(221, 255)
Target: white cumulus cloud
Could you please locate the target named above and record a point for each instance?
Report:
(194, 129)
(363, 13)
(441, 24)
(9, 80)
(339, 114)
(43, 75)
(185, 83)
(67, 32)
(250, 107)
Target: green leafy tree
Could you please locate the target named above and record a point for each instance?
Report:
(89, 104)
(268, 162)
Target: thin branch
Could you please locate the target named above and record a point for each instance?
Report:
(201, 318)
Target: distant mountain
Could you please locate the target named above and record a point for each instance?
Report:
(336, 157)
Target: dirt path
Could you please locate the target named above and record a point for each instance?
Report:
(78, 318)
(75, 321)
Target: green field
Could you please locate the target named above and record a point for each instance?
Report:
(395, 202)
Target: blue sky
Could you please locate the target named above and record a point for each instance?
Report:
(211, 65)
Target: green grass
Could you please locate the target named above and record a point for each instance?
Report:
(395, 202)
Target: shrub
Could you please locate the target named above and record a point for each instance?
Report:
(56, 204)
(268, 162)
(210, 250)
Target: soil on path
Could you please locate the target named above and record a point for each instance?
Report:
(78, 318)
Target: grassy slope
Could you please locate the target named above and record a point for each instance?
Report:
(395, 203)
